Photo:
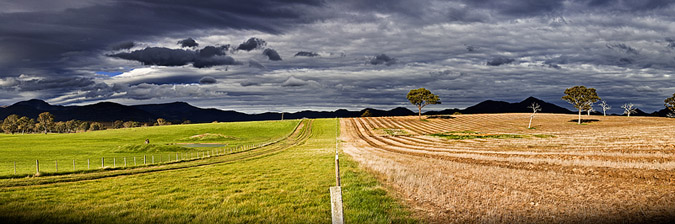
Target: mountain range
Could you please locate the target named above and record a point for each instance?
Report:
(178, 112)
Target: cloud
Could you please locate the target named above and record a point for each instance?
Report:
(271, 54)
(623, 48)
(123, 46)
(210, 51)
(255, 64)
(671, 42)
(189, 42)
(497, 61)
(382, 59)
(206, 80)
(175, 57)
(251, 44)
(295, 82)
(44, 83)
(204, 62)
(306, 54)
(445, 74)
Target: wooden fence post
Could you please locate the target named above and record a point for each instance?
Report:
(37, 166)
(125, 161)
(88, 164)
(57, 165)
(73, 165)
(102, 162)
(144, 159)
(114, 162)
(134, 161)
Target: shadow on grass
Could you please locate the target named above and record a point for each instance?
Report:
(584, 120)
(440, 117)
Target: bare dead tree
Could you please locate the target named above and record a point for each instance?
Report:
(605, 107)
(629, 109)
(589, 109)
(535, 108)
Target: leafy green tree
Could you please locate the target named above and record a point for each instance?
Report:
(581, 98)
(367, 113)
(25, 124)
(10, 124)
(46, 121)
(422, 97)
(118, 124)
(60, 127)
(72, 125)
(161, 121)
(95, 126)
(84, 126)
(670, 103)
(131, 124)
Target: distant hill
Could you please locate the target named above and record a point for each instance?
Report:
(180, 111)
(491, 106)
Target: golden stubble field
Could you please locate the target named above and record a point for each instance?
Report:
(491, 168)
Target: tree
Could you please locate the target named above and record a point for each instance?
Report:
(535, 108)
(367, 113)
(161, 121)
(25, 124)
(581, 98)
(670, 103)
(589, 109)
(84, 126)
(10, 125)
(605, 107)
(95, 126)
(72, 125)
(60, 127)
(422, 97)
(628, 109)
(46, 121)
(131, 124)
(118, 124)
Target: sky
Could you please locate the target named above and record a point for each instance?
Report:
(284, 55)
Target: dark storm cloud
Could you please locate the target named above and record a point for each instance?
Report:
(189, 42)
(497, 61)
(176, 57)
(159, 56)
(671, 42)
(123, 46)
(271, 54)
(306, 54)
(623, 48)
(251, 44)
(382, 59)
(46, 83)
(40, 37)
(210, 51)
(628, 5)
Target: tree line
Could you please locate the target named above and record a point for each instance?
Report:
(582, 98)
(45, 124)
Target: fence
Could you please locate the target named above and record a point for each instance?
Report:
(22, 168)
(118, 162)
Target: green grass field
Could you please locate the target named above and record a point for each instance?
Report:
(283, 183)
(115, 145)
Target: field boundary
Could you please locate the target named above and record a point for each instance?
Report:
(299, 135)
